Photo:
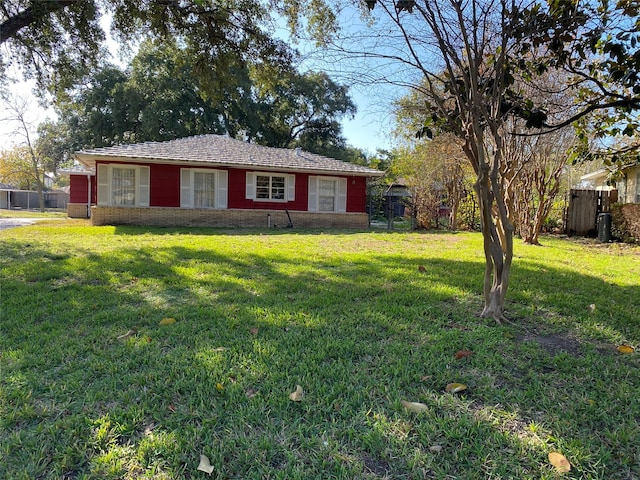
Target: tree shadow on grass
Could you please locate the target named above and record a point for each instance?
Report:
(359, 334)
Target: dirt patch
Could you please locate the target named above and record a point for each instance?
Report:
(375, 466)
(555, 343)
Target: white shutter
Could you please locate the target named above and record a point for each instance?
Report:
(103, 184)
(143, 186)
(312, 205)
(250, 186)
(341, 195)
(221, 189)
(291, 188)
(185, 188)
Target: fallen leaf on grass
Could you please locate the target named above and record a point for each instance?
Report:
(254, 331)
(592, 307)
(205, 465)
(167, 321)
(130, 333)
(298, 395)
(559, 461)
(219, 349)
(422, 269)
(414, 407)
(172, 408)
(436, 448)
(219, 387)
(455, 387)
(463, 354)
(626, 349)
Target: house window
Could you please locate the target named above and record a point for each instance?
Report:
(269, 187)
(123, 185)
(327, 194)
(203, 188)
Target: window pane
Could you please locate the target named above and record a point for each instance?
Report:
(327, 195)
(203, 190)
(277, 188)
(123, 186)
(262, 186)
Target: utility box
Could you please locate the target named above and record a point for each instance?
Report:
(604, 227)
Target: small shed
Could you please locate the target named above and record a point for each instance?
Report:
(397, 197)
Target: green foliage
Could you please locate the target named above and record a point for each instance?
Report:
(159, 97)
(597, 43)
(16, 168)
(59, 42)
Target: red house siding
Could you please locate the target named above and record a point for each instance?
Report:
(165, 189)
(165, 186)
(356, 194)
(238, 190)
(79, 189)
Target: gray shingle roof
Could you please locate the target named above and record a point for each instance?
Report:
(224, 151)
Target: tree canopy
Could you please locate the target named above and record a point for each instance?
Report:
(159, 98)
(60, 42)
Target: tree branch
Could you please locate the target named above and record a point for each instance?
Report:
(12, 25)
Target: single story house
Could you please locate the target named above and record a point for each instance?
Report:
(626, 181)
(214, 180)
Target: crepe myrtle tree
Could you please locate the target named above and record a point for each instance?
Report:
(462, 54)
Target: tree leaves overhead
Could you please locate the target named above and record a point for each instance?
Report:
(59, 42)
(159, 97)
(597, 44)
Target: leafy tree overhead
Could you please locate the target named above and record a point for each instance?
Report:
(301, 109)
(597, 44)
(59, 42)
(159, 98)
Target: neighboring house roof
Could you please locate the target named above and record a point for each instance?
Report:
(601, 174)
(217, 150)
(76, 170)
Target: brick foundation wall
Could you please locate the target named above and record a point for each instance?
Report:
(183, 217)
(77, 210)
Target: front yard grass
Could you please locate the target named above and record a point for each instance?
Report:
(361, 321)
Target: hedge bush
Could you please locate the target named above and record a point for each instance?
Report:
(625, 222)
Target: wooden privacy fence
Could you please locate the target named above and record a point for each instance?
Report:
(584, 208)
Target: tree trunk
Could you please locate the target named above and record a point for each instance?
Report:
(498, 252)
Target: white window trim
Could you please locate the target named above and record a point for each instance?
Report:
(289, 187)
(187, 185)
(105, 184)
(340, 199)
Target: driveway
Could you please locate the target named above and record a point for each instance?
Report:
(18, 222)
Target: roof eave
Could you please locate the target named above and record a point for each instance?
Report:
(90, 161)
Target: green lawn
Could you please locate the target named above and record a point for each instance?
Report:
(350, 317)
